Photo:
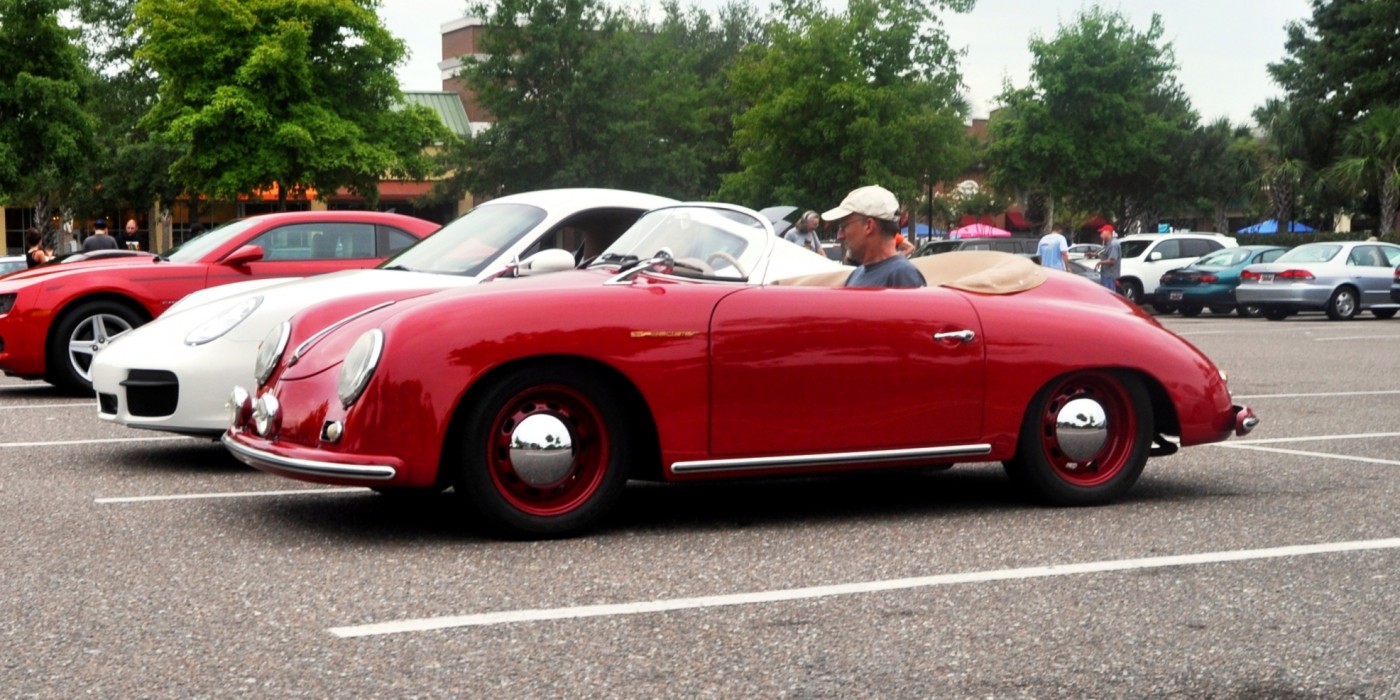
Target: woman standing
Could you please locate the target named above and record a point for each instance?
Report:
(35, 255)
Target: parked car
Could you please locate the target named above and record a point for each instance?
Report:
(1080, 251)
(1340, 278)
(1211, 281)
(175, 374)
(1019, 246)
(1147, 256)
(12, 263)
(1395, 287)
(684, 353)
(55, 318)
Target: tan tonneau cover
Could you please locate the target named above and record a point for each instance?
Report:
(980, 271)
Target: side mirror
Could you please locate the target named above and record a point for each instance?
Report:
(544, 262)
(244, 255)
(1154, 256)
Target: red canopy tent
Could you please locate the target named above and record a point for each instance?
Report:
(979, 231)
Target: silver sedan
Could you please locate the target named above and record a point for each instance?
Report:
(1341, 278)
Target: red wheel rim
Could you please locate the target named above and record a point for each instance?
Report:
(591, 451)
(1121, 423)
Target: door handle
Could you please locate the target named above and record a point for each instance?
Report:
(964, 336)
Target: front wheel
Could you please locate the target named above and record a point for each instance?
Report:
(77, 339)
(1191, 310)
(1342, 305)
(1084, 439)
(1132, 290)
(543, 453)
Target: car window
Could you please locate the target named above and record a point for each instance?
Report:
(1196, 247)
(1225, 257)
(1311, 252)
(1168, 250)
(318, 241)
(1392, 254)
(1134, 249)
(469, 244)
(1270, 255)
(586, 234)
(394, 241)
(976, 245)
(1367, 256)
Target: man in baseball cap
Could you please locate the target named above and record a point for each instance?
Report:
(1110, 258)
(867, 220)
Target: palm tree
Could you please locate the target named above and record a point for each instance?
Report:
(1373, 160)
(1282, 148)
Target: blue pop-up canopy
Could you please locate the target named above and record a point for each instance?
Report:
(1271, 226)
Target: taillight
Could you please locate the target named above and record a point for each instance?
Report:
(1207, 279)
(1249, 275)
(1295, 275)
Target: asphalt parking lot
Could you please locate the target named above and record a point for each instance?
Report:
(140, 565)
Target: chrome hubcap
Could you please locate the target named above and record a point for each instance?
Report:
(1081, 429)
(542, 450)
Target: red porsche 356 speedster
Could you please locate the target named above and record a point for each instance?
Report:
(689, 351)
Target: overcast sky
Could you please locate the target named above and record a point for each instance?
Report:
(1222, 46)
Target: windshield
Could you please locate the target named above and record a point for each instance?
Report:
(1311, 252)
(1225, 257)
(1134, 249)
(703, 241)
(470, 244)
(196, 248)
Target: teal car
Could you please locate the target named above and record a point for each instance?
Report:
(1210, 281)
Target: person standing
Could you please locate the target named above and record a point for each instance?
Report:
(867, 221)
(100, 239)
(804, 233)
(130, 237)
(1054, 249)
(34, 254)
(1110, 258)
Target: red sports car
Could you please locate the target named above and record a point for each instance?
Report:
(676, 356)
(54, 318)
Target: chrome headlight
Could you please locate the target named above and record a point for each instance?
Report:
(270, 351)
(359, 366)
(222, 322)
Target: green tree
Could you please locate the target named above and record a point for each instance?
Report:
(1342, 60)
(1101, 120)
(45, 133)
(1223, 170)
(1285, 168)
(1372, 165)
(841, 100)
(295, 94)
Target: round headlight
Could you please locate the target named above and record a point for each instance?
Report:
(359, 366)
(270, 351)
(222, 322)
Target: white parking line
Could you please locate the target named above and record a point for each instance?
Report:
(1304, 453)
(229, 494)
(104, 441)
(777, 596)
(1321, 394)
(1313, 438)
(88, 404)
(1357, 337)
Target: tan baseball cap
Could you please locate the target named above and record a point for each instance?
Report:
(872, 200)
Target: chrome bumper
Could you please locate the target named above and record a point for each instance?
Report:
(267, 461)
(1245, 420)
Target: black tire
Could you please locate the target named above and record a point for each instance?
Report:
(1131, 290)
(1191, 310)
(79, 335)
(1221, 309)
(1276, 314)
(1165, 309)
(1343, 304)
(1384, 313)
(501, 496)
(1043, 466)
(1249, 311)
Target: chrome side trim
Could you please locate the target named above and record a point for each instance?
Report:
(794, 461)
(259, 459)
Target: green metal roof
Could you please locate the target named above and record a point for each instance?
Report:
(448, 107)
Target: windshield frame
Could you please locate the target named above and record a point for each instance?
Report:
(752, 228)
(467, 229)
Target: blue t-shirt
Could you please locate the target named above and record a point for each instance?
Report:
(894, 271)
(1051, 250)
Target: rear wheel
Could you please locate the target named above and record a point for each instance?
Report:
(1342, 305)
(543, 453)
(1165, 309)
(1249, 310)
(1084, 439)
(77, 339)
(1221, 309)
(1384, 313)
(1191, 310)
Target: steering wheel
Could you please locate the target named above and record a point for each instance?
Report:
(695, 264)
(726, 257)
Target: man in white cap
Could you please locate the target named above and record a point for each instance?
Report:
(867, 221)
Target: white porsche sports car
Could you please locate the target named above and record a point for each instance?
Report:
(175, 373)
